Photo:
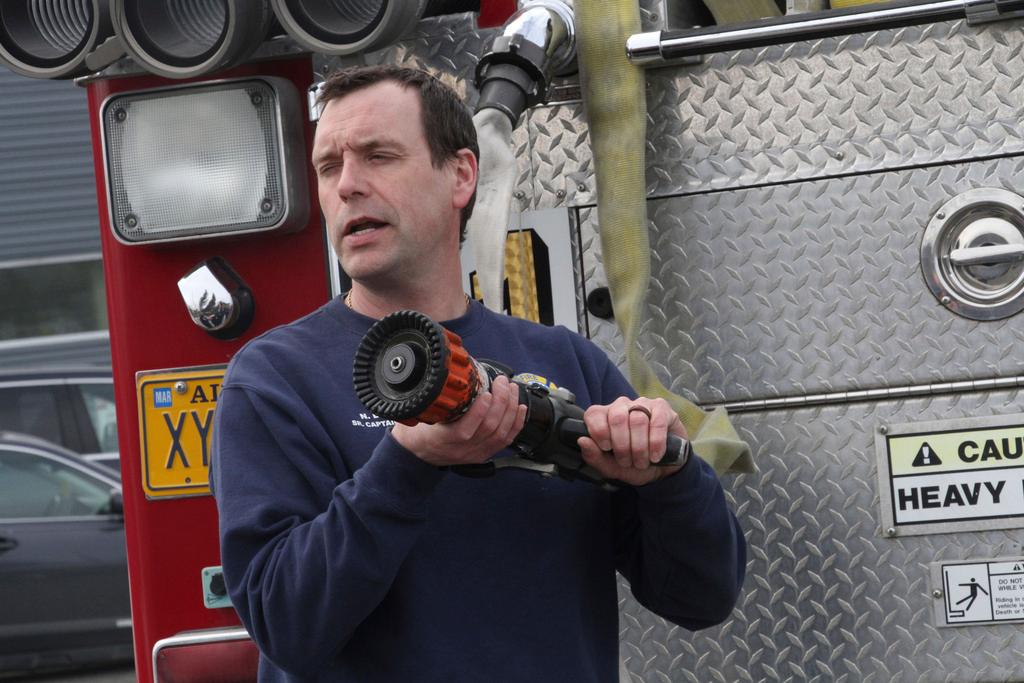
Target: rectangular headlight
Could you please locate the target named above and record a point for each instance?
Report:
(205, 160)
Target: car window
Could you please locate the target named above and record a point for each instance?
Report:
(31, 410)
(33, 486)
(99, 403)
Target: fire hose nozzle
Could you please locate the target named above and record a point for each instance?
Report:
(410, 369)
(537, 42)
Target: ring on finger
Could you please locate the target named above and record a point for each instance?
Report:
(639, 409)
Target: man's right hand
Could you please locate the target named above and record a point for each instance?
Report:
(490, 424)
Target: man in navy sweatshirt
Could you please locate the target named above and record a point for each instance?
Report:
(349, 554)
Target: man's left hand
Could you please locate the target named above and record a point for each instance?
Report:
(627, 436)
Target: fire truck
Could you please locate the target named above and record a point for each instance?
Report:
(830, 246)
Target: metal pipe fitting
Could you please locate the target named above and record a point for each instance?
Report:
(177, 39)
(56, 38)
(537, 42)
(354, 26)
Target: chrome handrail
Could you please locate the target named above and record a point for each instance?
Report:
(656, 47)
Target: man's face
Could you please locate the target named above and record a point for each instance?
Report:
(392, 216)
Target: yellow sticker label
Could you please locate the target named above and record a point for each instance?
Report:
(530, 378)
(176, 410)
(957, 451)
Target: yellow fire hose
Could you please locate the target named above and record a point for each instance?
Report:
(614, 98)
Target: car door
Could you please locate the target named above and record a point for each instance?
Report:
(63, 569)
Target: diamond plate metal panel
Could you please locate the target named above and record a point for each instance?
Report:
(890, 99)
(827, 598)
(918, 95)
(814, 287)
(561, 160)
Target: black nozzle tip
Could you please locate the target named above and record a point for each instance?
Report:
(400, 366)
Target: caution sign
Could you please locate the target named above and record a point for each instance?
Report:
(176, 410)
(977, 592)
(959, 472)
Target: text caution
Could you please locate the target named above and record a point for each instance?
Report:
(957, 475)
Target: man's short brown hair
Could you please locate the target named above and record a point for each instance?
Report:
(447, 123)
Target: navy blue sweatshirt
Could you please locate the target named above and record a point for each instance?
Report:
(349, 559)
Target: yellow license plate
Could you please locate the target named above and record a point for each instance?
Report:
(176, 424)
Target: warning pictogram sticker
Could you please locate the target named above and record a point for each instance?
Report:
(926, 457)
(981, 592)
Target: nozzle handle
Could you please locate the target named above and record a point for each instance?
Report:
(677, 449)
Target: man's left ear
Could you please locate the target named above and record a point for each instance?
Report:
(465, 177)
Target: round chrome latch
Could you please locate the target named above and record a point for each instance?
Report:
(972, 254)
